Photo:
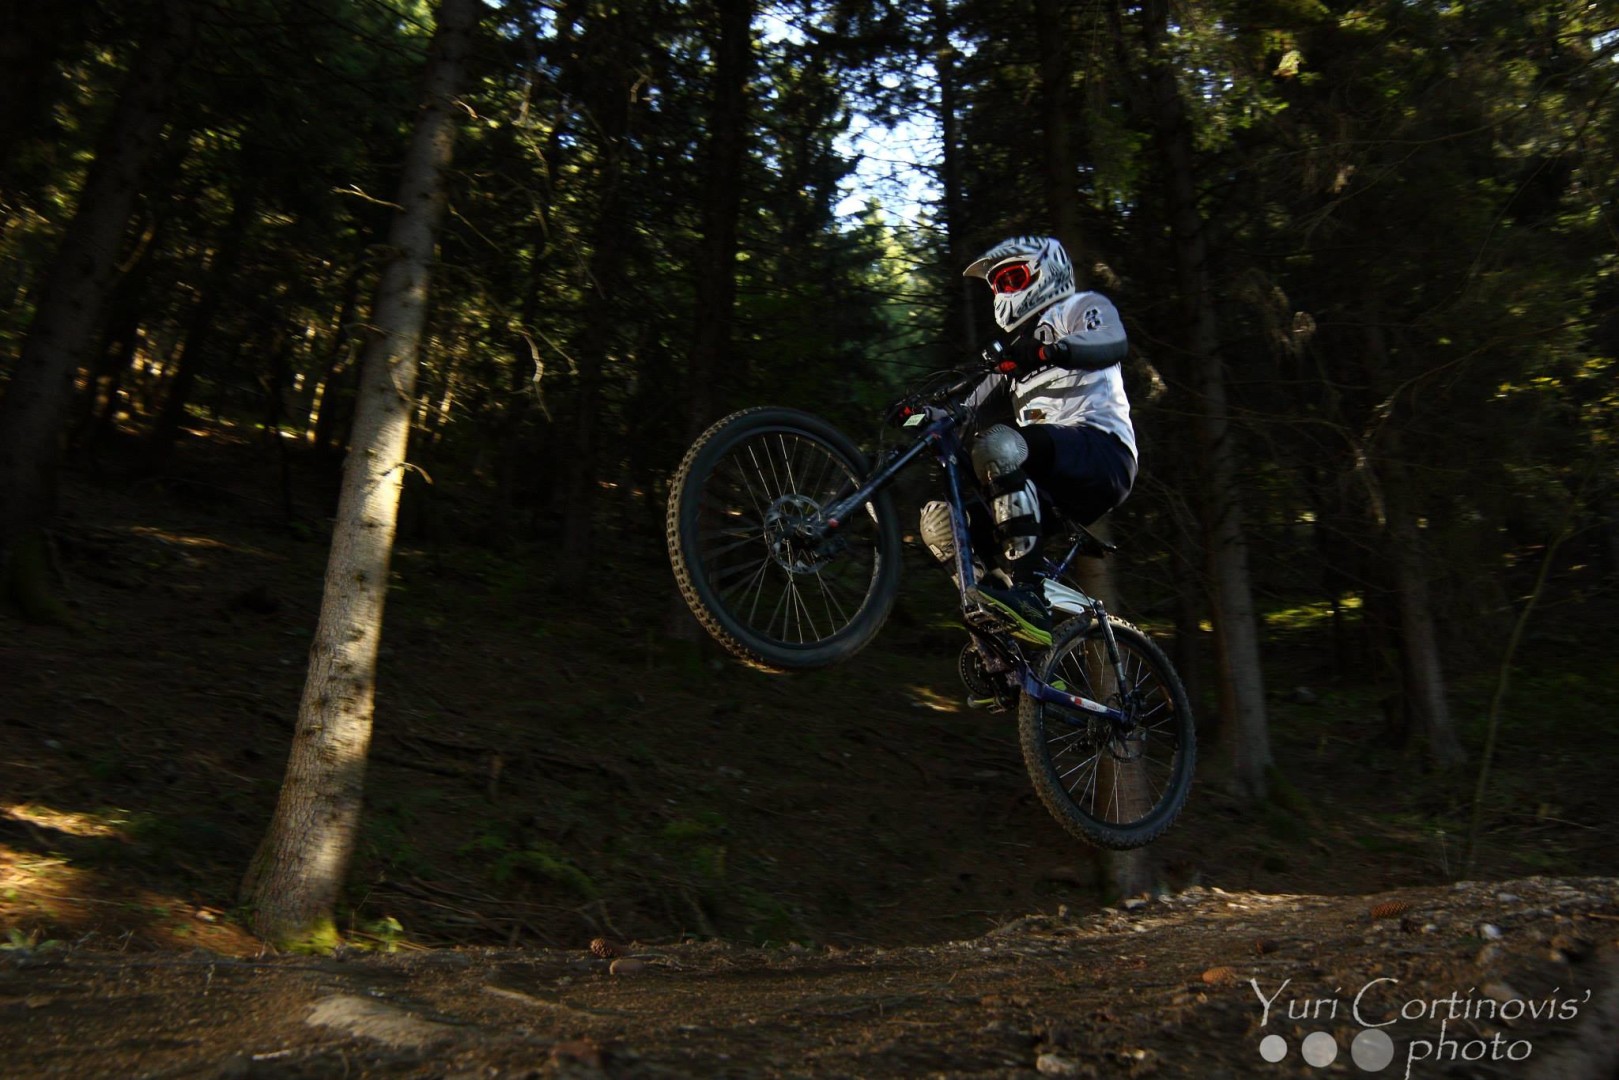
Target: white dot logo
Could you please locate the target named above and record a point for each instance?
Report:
(1319, 1049)
(1372, 1050)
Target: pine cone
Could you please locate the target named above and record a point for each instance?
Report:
(603, 948)
(1393, 909)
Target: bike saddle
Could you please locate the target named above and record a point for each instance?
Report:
(1089, 543)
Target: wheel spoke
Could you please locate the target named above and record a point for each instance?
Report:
(1081, 765)
(831, 601)
(779, 609)
(755, 578)
(801, 611)
(1112, 777)
(746, 541)
(787, 465)
(750, 531)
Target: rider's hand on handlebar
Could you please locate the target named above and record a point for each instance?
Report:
(1019, 356)
(904, 413)
(899, 412)
(1022, 355)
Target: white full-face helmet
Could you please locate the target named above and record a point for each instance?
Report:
(1027, 275)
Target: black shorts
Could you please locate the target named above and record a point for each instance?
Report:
(1085, 471)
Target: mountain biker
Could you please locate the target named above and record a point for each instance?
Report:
(1054, 422)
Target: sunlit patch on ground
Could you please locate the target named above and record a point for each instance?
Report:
(47, 897)
(33, 883)
(1309, 616)
(74, 823)
(926, 697)
(205, 542)
(45, 885)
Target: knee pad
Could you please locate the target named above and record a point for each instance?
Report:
(1017, 519)
(998, 458)
(936, 531)
(999, 451)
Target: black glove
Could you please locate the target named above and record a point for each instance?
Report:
(1025, 354)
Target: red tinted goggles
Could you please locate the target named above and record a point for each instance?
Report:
(1011, 278)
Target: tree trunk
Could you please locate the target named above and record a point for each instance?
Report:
(1608, 519)
(322, 399)
(1058, 120)
(204, 321)
(1236, 627)
(297, 875)
(608, 92)
(1191, 602)
(120, 343)
(1122, 873)
(715, 279)
(105, 371)
(955, 212)
(1424, 676)
(72, 301)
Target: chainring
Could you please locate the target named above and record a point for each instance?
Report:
(980, 682)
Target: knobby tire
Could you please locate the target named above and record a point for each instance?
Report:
(780, 611)
(1111, 792)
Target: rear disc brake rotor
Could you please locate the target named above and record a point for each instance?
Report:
(785, 531)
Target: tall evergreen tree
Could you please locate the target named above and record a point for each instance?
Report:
(73, 299)
(297, 875)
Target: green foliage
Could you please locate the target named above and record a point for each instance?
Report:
(546, 861)
(319, 939)
(509, 857)
(694, 845)
(377, 935)
(19, 940)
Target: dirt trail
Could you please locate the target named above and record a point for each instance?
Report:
(1513, 979)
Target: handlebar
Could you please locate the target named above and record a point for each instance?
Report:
(928, 402)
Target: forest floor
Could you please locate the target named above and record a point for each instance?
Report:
(1513, 980)
(841, 873)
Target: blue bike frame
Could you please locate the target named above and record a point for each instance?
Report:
(941, 435)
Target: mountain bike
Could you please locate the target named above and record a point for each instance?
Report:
(786, 544)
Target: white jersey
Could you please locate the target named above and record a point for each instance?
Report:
(1070, 397)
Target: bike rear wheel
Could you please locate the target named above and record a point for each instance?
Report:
(1117, 785)
(768, 593)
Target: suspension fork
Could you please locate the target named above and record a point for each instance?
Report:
(1041, 691)
(1099, 613)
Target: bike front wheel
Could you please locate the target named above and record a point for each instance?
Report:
(1114, 783)
(749, 557)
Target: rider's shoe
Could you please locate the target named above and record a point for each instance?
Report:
(1020, 608)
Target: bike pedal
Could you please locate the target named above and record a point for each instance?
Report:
(988, 704)
(979, 619)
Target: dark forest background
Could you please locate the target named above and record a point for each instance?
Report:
(1366, 254)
